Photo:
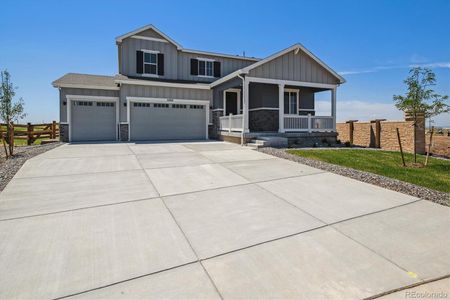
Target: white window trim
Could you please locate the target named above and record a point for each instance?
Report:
(205, 60)
(205, 103)
(71, 98)
(298, 101)
(143, 63)
(238, 92)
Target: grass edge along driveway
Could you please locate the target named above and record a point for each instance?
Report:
(386, 163)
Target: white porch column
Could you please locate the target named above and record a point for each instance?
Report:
(281, 108)
(333, 107)
(245, 104)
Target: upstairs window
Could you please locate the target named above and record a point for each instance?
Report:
(150, 63)
(205, 67)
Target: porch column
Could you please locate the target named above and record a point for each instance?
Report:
(281, 108)
(245, 104)
(333, 107)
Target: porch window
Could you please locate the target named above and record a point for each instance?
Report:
(290, 102)
(205, 67)
(150, 63)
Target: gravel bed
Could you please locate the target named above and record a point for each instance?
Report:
(385, 182)
(9, 167)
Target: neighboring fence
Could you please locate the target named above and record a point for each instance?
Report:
(32, 132)
(382, 134)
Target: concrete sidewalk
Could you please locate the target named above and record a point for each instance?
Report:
(207, 220)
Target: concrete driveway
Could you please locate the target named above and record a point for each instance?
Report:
(207, 220)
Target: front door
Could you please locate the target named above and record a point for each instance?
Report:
(231, 103)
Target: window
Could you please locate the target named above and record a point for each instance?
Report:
(179, 106)
(290, 102)
(150, 63)
(105, 104)
(83, 103)
(140, 104)
(196, 106)
(205, 67)
(161, 105)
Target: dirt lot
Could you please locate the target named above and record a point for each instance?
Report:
(440, 146)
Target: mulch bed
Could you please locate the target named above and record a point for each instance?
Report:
(385, 182)
(9, 167)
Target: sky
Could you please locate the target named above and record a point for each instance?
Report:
(373, 44)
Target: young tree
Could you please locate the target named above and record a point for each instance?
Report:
(9, 110)
(420, 98)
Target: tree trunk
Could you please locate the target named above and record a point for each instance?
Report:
(414, 136)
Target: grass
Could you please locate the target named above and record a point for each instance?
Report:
(387, 163)
(23, 142)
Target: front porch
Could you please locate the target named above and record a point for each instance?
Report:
(271, 107)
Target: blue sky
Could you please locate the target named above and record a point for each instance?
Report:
(372, 43)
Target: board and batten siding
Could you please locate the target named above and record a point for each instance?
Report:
(128, 50)
(128, 90)
(63, 92)
(227, 66)
(296, 67)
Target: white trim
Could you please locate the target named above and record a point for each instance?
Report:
(205, 60)
(295, 48)
(296, 91)
(290, 82)
(219, 54)
(165, 100)
(238, 99)
(306, 109)
(280, 107)
(155, 64)
(147, 38)
(119, 39)
(82, 86)
(264, 108)
(217, 109)
(166, 84)
(71, 98)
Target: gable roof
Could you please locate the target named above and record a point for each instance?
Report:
(295, 47)
(119, 39)
(76, 80)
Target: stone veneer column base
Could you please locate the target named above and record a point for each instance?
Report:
(214, 129)
(64, 133)
(123, 132)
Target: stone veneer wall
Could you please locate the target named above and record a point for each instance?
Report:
(64, 133)
(214, 129)
(263, 120)
(123, 132)
(365, 134)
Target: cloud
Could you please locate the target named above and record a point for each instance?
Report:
(369, 110)
(433, 65)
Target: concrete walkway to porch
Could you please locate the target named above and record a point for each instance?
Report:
(207, 220)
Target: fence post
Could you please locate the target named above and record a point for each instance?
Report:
(309, 123)
(53, 130)
(29, 134)
(229, 122)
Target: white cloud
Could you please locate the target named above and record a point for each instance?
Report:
(366, 110)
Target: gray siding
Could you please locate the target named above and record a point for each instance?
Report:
(297, 67)
(218, 91)
(85, 92)
(158, 92)
(227, 66)
(263, 95)
(128, 50)
(151, 33)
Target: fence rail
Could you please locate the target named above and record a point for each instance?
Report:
(309, 123)
(231, 123)
(31, 132)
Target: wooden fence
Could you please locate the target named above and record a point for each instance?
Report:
(31, 132)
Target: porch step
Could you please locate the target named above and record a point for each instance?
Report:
(269, 141)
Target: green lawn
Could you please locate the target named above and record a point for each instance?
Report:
(435, 176)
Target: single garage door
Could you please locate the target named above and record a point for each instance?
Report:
(167, 121)
(93, 121)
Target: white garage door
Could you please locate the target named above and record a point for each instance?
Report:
(167, 121)
(93, 121)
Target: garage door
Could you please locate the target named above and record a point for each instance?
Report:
(164, 121)
(93, 121)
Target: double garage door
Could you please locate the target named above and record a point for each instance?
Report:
(167, 121)
(97, 121)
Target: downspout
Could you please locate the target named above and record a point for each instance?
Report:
(243, 111)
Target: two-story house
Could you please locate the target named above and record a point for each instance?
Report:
(164, 91)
